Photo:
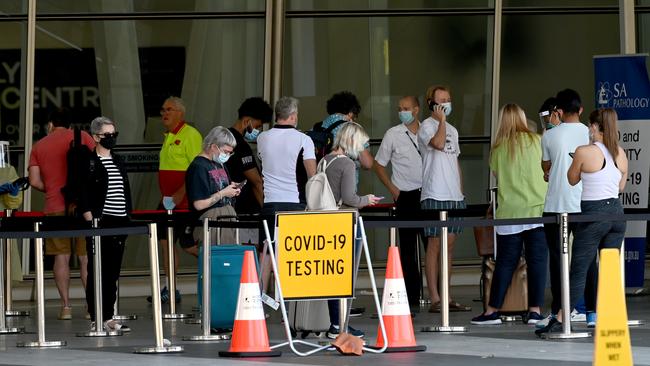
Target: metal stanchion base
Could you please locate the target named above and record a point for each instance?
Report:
(635, 323)
(37, 344)
(511, 318)
(112, 333)
(566, 336)
(193, 321)
(16, 313)
(441, 329)
(211, 337)
(12, 330)
(125, 317)
(154, 349)
(177, 316)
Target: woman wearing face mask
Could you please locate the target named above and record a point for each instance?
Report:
(210, 192)
(106, 196)
(341, 174)
(602, 168)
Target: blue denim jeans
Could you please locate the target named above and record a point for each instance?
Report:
(590, 237)
(509, 249)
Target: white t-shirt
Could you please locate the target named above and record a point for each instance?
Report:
(440, 175)
(399, 147)
(557, 143)
(279, 150)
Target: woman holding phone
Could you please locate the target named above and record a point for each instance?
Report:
(602, 168)
(210, 192)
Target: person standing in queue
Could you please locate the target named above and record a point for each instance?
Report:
(107, 196)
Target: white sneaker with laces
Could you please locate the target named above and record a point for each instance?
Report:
(578, 317)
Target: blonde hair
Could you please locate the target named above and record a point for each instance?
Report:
(351, 138)
(512, 123)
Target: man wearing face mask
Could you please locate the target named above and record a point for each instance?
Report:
(285, 154)
(442, 184)
(106, 196)
(548, 114)
(253, 112)
(48, 168)
(399, 147)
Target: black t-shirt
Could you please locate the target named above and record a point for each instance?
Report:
(243, 160)
(204, 178)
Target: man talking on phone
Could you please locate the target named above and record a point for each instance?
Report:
(442, 187)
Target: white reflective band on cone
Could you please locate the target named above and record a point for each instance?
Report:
(395, 301)
(249, 303)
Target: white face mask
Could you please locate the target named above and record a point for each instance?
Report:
(446, 108)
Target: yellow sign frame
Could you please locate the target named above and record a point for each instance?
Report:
(319, 245)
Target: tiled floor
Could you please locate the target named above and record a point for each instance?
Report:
(509, 344)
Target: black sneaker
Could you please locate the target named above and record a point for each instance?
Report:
(533, 317)
(333, 332)
(354, 312)
(554, 326)
(492, 319)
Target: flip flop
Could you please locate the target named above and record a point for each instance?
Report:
(435, 307)
(456, 306)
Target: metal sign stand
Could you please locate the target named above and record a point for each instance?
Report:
(7, 273)
(444, 291)
(342, 326)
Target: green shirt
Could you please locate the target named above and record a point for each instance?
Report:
(522, 189)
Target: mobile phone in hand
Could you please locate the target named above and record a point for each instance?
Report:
(241, 184)
(380, 197)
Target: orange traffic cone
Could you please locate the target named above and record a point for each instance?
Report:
(395, 309)
(249, 336)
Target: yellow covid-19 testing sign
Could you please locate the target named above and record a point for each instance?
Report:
(315, 254)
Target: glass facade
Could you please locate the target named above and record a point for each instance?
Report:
(122, 58)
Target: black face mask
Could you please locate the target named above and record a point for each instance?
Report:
(108, 141)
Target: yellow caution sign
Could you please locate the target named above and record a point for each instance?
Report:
(612, 344)
(315, 254)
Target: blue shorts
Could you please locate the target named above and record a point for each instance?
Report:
(431, 204)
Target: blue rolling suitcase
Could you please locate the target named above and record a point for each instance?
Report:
(226, 273)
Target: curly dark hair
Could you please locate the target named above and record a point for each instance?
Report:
(256, 108)
(343, 102)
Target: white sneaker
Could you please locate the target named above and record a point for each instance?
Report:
(113, 325)
(578, 317)
(544, 322)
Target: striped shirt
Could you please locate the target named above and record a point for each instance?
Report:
(115, 203)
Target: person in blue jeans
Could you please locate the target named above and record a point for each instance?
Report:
(602, 167)
(514, 160)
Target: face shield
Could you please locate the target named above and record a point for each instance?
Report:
(545, 119)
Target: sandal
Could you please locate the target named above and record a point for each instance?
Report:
(456, 306)
(435, 307)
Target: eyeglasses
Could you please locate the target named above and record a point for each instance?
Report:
(163, 110)
(104, 135)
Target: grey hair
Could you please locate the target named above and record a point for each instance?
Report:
(99, 122)
(178, 102)
(352, 138)
(285, 107)
(219, 136)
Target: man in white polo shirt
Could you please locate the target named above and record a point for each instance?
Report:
(286, 155)
(399, 147)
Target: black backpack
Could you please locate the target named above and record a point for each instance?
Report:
(77, 154)
(323, 138)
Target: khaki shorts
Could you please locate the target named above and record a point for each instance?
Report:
(55, 246)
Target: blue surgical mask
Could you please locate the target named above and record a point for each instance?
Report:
(252, 136)
(406, 117)
(446, 108)
(221, 158)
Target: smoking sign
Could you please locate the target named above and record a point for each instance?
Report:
(315, 254)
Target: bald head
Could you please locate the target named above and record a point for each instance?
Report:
(411, 99)
(411, 104)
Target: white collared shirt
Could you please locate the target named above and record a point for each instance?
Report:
(400, 147)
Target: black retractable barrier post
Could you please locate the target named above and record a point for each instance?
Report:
(171, 274)
(161, 346)
(206, 285)
(97, 330)
(8, 285)
(40, 299)
(444, 283)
